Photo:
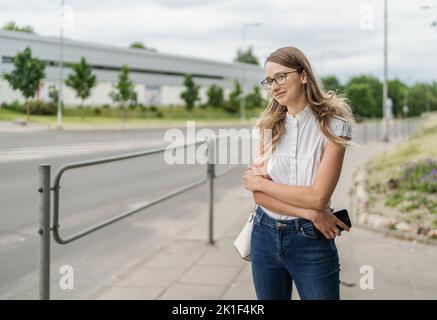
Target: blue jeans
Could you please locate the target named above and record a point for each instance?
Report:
(286, 251)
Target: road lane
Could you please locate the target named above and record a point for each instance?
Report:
(89, 195)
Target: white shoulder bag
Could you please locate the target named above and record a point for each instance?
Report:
(242, 242)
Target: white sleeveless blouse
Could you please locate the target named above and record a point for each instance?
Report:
(298, 154)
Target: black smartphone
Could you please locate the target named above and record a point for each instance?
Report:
(343, 216)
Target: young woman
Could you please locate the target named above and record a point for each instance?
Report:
(292, 186)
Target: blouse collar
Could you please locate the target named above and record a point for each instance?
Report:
(300, 117)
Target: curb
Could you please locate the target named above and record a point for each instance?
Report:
(397, 234)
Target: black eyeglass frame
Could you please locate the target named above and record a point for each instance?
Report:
(279, 73)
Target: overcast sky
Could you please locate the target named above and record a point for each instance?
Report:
(340, 37)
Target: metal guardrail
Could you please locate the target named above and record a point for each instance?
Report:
(372, 129)
(45, 200)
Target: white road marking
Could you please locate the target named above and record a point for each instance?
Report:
(29, 153)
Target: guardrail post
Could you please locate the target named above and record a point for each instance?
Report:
(44, 232)
(211, 176)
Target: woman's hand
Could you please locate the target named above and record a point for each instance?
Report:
(327, 223)
(259, 168)
(252, 182)
(255, 175)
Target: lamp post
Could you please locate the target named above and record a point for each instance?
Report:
(385, 85)
(243, 75)
(60, 96)
(434, 25)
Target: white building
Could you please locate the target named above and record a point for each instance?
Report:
(158, 77)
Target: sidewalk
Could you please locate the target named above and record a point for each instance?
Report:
(191, 269)
(11, 126)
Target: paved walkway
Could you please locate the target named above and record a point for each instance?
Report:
(191, 269)
(11, 126)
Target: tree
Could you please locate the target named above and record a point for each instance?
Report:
(246, 56)
(26, 76)
(417, 98)
(82, 80)
(233, 103)
(396, 91)
(123, 91)
(254, 99)
(375, 87)
(361, 98)
(332, 83)
(191, 93)
(215, 96)
(432, 96)
(12, 26)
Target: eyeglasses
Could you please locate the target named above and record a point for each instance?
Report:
(279, 78)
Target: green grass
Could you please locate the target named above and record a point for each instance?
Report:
(7, 115)
(394, 159)
(422, 145)
(397, 177)
(176, 116)
(395, 199)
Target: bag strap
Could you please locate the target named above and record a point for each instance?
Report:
(252, 212)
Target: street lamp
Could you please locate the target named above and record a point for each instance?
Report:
(59, 113)
(434, 25)
(385, 85)
(243, 100)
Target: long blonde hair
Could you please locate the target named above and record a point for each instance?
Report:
(323, 104)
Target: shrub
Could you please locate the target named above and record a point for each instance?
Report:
(14, 106)
(40, 107)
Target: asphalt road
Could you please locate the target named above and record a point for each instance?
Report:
(89, 195)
